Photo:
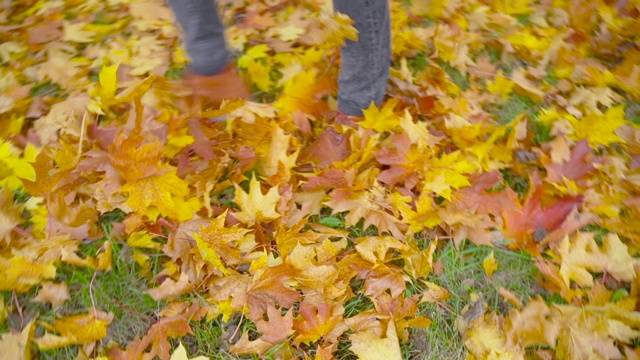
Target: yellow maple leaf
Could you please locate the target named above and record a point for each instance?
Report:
(10, 214)
(431, 8)
(290, 32)
(217, 243)
(278, 159)
(135, 90)
(302, 93)
(425, 215)
(142, 239)
(315, 321)
(502, 86)
(76, 329)
(513, 7)
(14, 167)
(375, 248)
(367, 345)
(419, 263)
(447, 174)
(587, 330)
(17, 345)
(417, 132)
(581, 255)
(180, 56)
(105, 94)
(7, 48)
(160, 195)
(171, 288)
(520, 331)
(490, 264)
(599, 129)
(485, 340)
(337, 30)
(52, 293)
(20, 274)
(255, 206)
(104, 259)
(177, 142)
(260, 75)
(256, 52)
(383, 119)
(528, 41)
(181, 354)
(77, 33)
(209, 254)
(108, 82)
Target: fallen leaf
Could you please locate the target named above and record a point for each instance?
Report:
(170, 288)
(368, 345)
(277, 328)
(54, 294)
(180, 353)
(510, 297)
(76, 329)
(17, 345)
(156, 341)
(434, 293)
(328, 148)
(255, 206)
(314, 322)
(521, 331)
(489, 264)
(383, 119)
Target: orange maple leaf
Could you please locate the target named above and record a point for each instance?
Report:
(532, 217)
(157, 338)
(277, 328)
(315, 321)
(270, 287)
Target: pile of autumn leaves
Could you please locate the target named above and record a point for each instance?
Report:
(233, 206)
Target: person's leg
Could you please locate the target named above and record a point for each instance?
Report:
(210, 77)
(366, 62)
(203, 35)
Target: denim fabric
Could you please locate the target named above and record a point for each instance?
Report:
(203, 35)
(365, 63)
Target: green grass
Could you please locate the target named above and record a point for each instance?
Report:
(107, 219)
(344, 348)
(418, 63)
(514, 106)
(632, 111)
(209, 339)
(45, 89)
(120, 291)
(463, 276)
(518, 183)
(205, 339)
(456, 76)
(541, 132)
(359, 302)
(337, 221)
(175, 73)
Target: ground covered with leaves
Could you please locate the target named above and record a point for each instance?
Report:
(490, 208)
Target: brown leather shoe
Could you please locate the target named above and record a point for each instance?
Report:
(340, 118)
(213, 89)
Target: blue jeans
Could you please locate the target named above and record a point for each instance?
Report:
(365, 63)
